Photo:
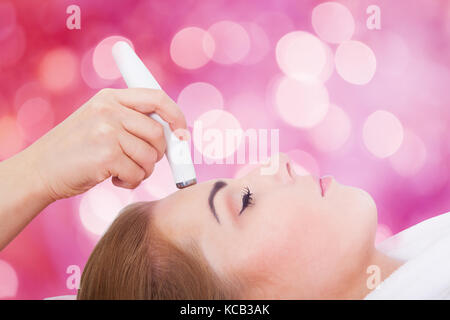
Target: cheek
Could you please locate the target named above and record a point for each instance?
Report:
(303, 236)
(306, 235)
(292, 237)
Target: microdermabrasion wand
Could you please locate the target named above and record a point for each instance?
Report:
(136, 75)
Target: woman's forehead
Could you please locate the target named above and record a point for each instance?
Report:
(185, 209)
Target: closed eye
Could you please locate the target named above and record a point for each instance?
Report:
(247, 199)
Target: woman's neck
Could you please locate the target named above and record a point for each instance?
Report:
(379, 267)
(376, 269)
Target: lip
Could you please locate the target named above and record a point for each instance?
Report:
(325, 183)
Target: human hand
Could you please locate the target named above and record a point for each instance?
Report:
(111, 135)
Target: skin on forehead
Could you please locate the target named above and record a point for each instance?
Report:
(181, 215)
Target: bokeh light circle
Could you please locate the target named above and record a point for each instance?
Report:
(411, 155)
(333, 131)
(232, 42)
(301, 56)
(192, 47)
(103, 60)
(27, 91)
(300, 104)
(355, 62)
(212, 132)
(259, 44)
(382, 134)
(58, 69)
(7, 19)
(197, 98)
(101, 205)
(161, 183)
(303, 163)
(88, 73)
(11, 136)
(12, 46)
(35, 117)
(9, 281)
(333, 22)
(327, 71)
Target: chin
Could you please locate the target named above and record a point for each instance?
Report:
(361, 216)
(368, 205)
(361, 202)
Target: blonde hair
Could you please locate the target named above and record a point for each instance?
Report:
(134, 260)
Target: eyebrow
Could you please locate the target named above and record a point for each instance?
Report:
(216, 187)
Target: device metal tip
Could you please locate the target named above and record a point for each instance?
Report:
(185, 184)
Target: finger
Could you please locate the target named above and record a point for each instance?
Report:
(122, 184)
(139, 151)
(147, 100)
(119, 183)
(145, 128)
(126, 173)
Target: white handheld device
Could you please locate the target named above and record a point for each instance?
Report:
(136, 75)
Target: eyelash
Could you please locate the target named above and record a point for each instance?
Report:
(247, 199)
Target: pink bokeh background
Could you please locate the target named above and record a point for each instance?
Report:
(368, 106)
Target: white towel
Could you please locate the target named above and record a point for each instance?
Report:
(425, 248)
(68, 297)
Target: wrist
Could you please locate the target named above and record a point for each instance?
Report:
(31, 179)
(22, 196)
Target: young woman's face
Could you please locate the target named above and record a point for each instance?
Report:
(275, 230)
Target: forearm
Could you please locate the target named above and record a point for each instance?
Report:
(22, 196)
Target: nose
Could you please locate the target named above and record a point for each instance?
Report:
(277, 167)
(285, 170)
